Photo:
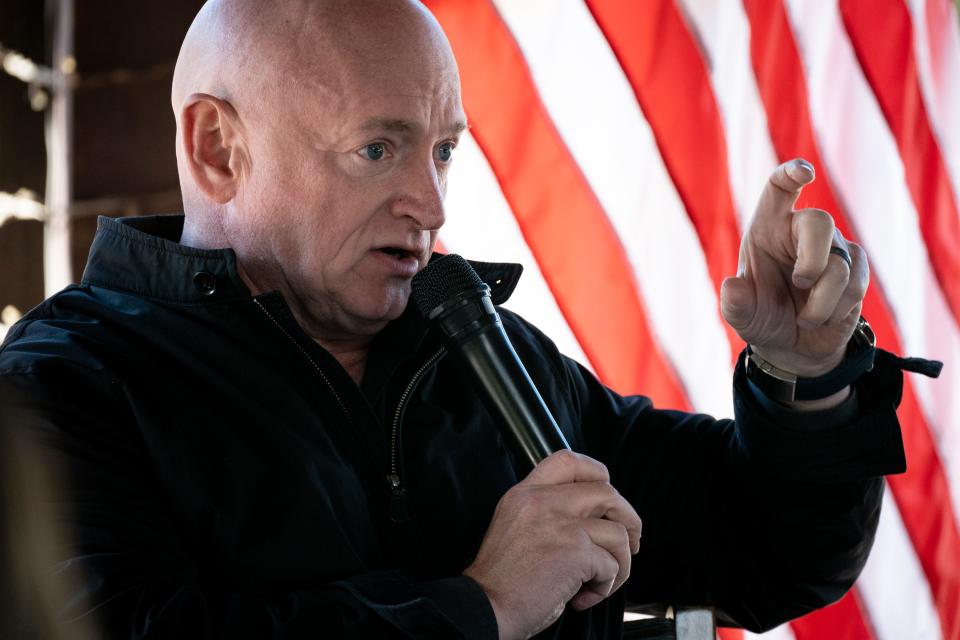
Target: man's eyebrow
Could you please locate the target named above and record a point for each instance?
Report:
(406, 126)
(459, 127)
(389, 124)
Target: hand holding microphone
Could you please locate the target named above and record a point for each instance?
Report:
(563, 534)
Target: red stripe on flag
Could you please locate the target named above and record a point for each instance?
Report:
(891, 69)
(843, 620)
(565, 226)
(922, 494)
(663, 64)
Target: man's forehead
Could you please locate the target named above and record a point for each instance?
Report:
(235, 47)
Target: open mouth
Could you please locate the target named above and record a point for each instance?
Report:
(397, 253)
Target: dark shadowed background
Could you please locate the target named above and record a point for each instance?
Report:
(123, 128)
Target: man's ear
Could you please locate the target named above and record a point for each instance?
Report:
(213, 146)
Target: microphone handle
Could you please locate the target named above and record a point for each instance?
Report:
(509, 392)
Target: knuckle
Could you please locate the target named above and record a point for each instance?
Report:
(779, 178)
(565, 458)
(509, 499)
(611, 569)
(863, 283)
(838, 273)
(808, 270)
(858, 256)
(603, 468)
(581, 540)
(856, 251)
(822, 217)
(845, 315)
(816, 221)
(624, 573)
(857, 289)
(814, 318)
(608, 490)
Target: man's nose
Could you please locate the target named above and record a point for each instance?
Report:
(420, 196)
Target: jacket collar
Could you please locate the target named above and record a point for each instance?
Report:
(141, 255)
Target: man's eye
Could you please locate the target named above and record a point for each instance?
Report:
(445, 152)
(374, 151)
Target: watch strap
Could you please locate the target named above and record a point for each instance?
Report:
(786, 386)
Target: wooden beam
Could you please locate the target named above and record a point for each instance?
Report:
(57, 272)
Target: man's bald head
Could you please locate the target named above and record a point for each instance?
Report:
(314, 138)
(245, 50)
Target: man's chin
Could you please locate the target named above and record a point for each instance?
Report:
(388, 306)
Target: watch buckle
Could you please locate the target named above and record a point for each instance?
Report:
(864, 334)
(778, 384)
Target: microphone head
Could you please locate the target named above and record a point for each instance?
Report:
(443, 280)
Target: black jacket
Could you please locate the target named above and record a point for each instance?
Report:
(222, 476)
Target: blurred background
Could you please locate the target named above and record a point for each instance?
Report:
(617, 149)
(85, 127)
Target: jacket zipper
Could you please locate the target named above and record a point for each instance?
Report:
(398, 507)
(306, 355)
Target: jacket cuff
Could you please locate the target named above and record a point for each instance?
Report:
(446, 608)
(464, 602)
(861, 439)
(845, 412)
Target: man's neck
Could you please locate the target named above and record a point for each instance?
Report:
(351, 352)
(352, 358)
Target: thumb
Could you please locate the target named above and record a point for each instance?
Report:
(738, 303)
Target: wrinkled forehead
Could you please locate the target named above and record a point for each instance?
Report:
(253, 53)
(396, 45)
(376, 66)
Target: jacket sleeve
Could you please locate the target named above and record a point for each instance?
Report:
(766, 517)
(131, 569)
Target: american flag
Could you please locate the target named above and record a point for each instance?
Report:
(617, 150)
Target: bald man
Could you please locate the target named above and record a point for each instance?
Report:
(260, 437)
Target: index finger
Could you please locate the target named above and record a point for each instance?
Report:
(568, 466)
(784, 187)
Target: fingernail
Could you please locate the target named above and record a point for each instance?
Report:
(803, 164)
(802, 283)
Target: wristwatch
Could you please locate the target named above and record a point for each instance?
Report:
(784, 386)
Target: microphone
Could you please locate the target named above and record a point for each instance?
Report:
(450, 294)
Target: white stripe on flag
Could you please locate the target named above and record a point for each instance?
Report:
(724, 36)
(481, 226)
(612, 143)
(894, 590)
(940, 86)
(783, 632)
(869, 176)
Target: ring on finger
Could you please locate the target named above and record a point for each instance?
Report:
(843, 254)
